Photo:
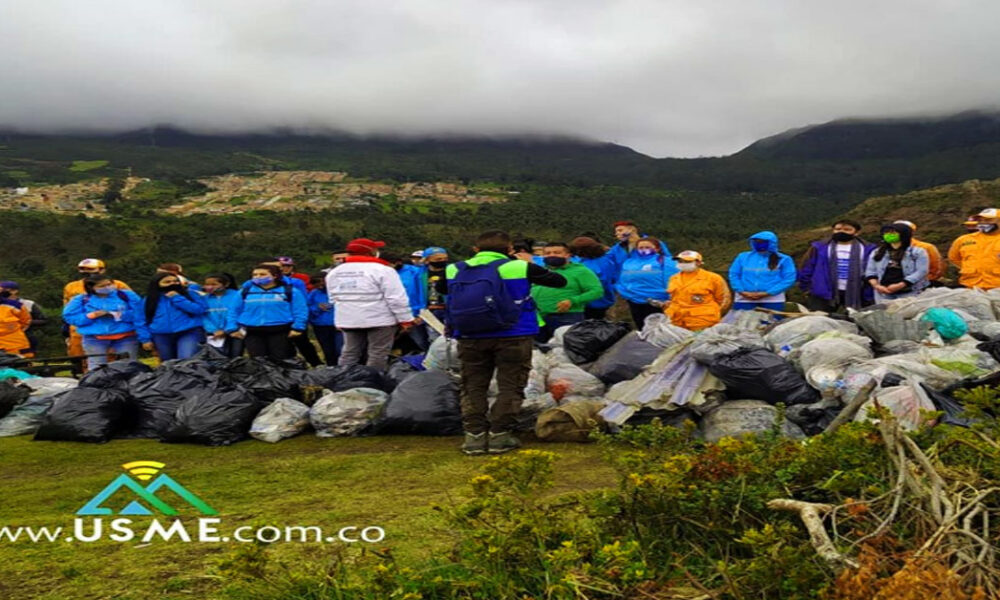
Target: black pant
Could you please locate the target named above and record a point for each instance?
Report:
(326, 335)
(305, 347)
(270, 342)
(642, 310)
(594, 313)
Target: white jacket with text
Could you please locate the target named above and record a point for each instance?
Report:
(367, 293)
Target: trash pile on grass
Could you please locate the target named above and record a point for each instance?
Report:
(907, 355)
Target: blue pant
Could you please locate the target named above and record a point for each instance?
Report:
(92, 345)
(554, 321)
(183, 344)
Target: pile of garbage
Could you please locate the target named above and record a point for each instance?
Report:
(907, 356)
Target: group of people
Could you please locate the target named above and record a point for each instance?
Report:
(497, 303)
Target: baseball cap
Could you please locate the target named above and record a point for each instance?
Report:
(364, 245)
(90, 263)
(285, 260)
(689, 255)
(9, 285)
(989, 213)
(431, 250)
(909, 224)
(417, 254)
(624, 224)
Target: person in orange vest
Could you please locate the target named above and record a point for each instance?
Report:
(936, 265)
(977, 255)
(14, 320)
(697, 297)
(86, 268)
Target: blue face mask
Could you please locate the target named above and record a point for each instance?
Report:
(646, 251)
(104, 291)
(760, 245)
(262, 280)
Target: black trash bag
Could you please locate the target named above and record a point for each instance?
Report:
(759, 374)
(625, 359)
(84, 414)
(991, 347)
(207, 357)
(425, 403)
(348, 377)
(398, 371)
(214, 417)
(892, 380)
(813, 419)
(268, 381)
(27, 416)
(670, 418)
(10, 360)
(11, 395)
(585, 341)
(114, 375)
(155, 397)
(952, 408)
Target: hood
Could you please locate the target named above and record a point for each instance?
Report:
(772, 240)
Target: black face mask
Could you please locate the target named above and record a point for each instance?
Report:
(172, 288)
(841, 236)
(554, 261)
(437, 265)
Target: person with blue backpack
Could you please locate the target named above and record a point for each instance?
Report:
(173, 317)
(492, 315)
(221, 298)
(272, 311)
(643, 279)
(760, 276)
(109, 319)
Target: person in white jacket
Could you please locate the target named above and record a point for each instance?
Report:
(371, 304)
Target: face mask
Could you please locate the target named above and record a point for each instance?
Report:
(841, 236)
(625, 236)
(986, 227)
(104, 291)
(262, 280)
(760, 245)
(687, 267)
(891, 238)
(554, 261)
(438, 264)
(646, 251)
(171, 288)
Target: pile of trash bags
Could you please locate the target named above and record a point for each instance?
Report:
(907, 356)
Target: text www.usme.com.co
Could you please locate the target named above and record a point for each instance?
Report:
(202, 530)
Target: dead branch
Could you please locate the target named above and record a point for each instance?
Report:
(809, 512)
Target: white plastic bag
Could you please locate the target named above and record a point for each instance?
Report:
(723, 339)
(658, 330)
(906, 402)
(567, 379)
(443, 355)
(346, 413)
(793, 333)
(971, 301)
(283, 418)
(831, 349)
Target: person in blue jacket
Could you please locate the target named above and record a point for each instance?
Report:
(627, 245)
(760, 277)
(272, 311)
(643, 279)
(173, 316)
(591, 254)
(219, 322)
(321, 315)
(301, 343)
(109, 319)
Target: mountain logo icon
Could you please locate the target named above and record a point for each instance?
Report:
(145, 496)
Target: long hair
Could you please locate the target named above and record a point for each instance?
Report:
(228, 281)
(905, 238)
(153, 295)
(657, 246)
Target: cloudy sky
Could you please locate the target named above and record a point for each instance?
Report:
(666, 77)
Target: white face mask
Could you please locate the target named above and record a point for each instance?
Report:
(687, 267)
(986, 227)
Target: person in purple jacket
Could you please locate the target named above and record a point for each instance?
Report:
(833, 270)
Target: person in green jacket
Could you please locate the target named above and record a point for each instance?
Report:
(564, 306)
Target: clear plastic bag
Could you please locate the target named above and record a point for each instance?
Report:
(793, 333)
(971, 301)
(831, 349)
(723, 339)
(443, 355)
(346, 413)
(884, 327)
(567, 379)
(906, 402)
(658, 330)
(283, 418)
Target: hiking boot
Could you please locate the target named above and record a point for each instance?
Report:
(475, 443)
(503, 442)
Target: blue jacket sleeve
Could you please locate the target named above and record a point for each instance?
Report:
(872, 270)
(736, 275)
(74, 312)
(300, 312)
(139, 317)
(788, 273)
(194, 307)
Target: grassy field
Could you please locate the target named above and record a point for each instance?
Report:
(389, 482)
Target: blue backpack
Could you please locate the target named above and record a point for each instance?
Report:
(478, 300)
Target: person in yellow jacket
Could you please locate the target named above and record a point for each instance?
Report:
(697, 297)
(977, 255)
(86, 268)
(14, 320)
(936, 264)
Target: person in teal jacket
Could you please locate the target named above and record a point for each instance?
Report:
(272, 311)
(643, 277)
(591, 254)
(760, 276)
(321, 316)
(219, 323)
(109, 319)
(173, 316)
